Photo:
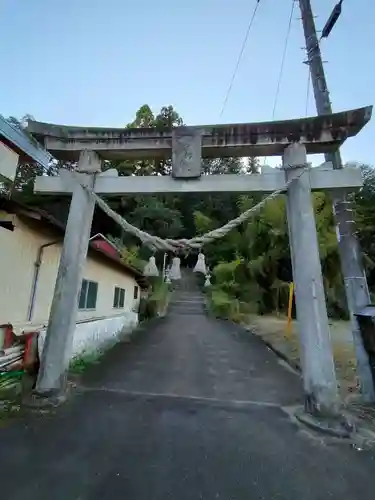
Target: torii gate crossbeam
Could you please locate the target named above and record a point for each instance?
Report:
(319, 134)
(108, 184)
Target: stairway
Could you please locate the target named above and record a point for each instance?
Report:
(187, 298)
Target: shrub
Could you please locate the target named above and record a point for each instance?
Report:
(155, 304)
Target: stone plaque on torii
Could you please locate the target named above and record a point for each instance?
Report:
(291, 139)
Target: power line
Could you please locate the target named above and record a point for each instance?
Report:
(239, 57)
(283, 60)
(307, 91)
(283, 57)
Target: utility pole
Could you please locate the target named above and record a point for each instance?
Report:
(357, 293)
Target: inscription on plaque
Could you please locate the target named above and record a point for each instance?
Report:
(186, 152)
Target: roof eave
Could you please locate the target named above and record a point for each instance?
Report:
(19, 142)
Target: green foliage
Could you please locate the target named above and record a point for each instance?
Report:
(202, 222)
(129, 255)
(260, 270)
(221, 303)
(154, 216)
(157, 301)
(364, 203)
(160, 291)
(81, 363)
(224, 305)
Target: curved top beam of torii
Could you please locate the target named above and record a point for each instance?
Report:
(320, 134)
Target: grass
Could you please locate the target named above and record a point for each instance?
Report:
(81, 363)
(224, 306)
(160, 294)
(10, 395)
(156, 303)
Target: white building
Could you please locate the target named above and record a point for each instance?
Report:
(30, 246)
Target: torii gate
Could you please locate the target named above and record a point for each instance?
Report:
(291, 139)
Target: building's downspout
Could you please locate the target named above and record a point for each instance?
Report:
(37, 265)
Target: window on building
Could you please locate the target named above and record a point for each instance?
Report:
(119, 298)
(88, 295)
(135, 292)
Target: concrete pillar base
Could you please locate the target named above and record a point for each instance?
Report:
(44, 400)
(334, 425)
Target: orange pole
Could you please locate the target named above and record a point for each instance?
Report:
(288, 329)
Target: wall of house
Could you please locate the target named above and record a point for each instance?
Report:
(91, 336)
(103, 272)
(19, 250)
(8, 163)
(17, 266)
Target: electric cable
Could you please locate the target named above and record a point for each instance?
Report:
(307, 91)
(239, 57)
(281, 71)
(283, 57)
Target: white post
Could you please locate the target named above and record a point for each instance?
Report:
(61, 325)
(164, 264)
(321, 394)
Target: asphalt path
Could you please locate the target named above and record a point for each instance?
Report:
(194, 408)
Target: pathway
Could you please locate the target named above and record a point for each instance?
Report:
(193, 409)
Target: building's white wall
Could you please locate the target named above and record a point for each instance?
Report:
(8, 163)
(19, 250)
(19, 253)
(107, 278)
(91, 336)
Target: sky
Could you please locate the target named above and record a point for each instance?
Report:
(95, 62)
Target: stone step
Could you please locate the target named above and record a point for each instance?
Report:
(188, 295)
(194, 300)
(187, 305)
(186, 312)
(187, 308)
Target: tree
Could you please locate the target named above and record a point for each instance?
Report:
(144, 118)
(364, 203)
(253, 165)
(155, 217)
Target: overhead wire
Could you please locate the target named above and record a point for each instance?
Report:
(283, 57)
(239, 59)
(282, 64)
(307, 91)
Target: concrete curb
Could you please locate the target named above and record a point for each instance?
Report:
(351, 425)
(280, 354)
(338, 427)
(37, 401)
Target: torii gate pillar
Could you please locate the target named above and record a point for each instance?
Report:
(58, 344)
(320, 385)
